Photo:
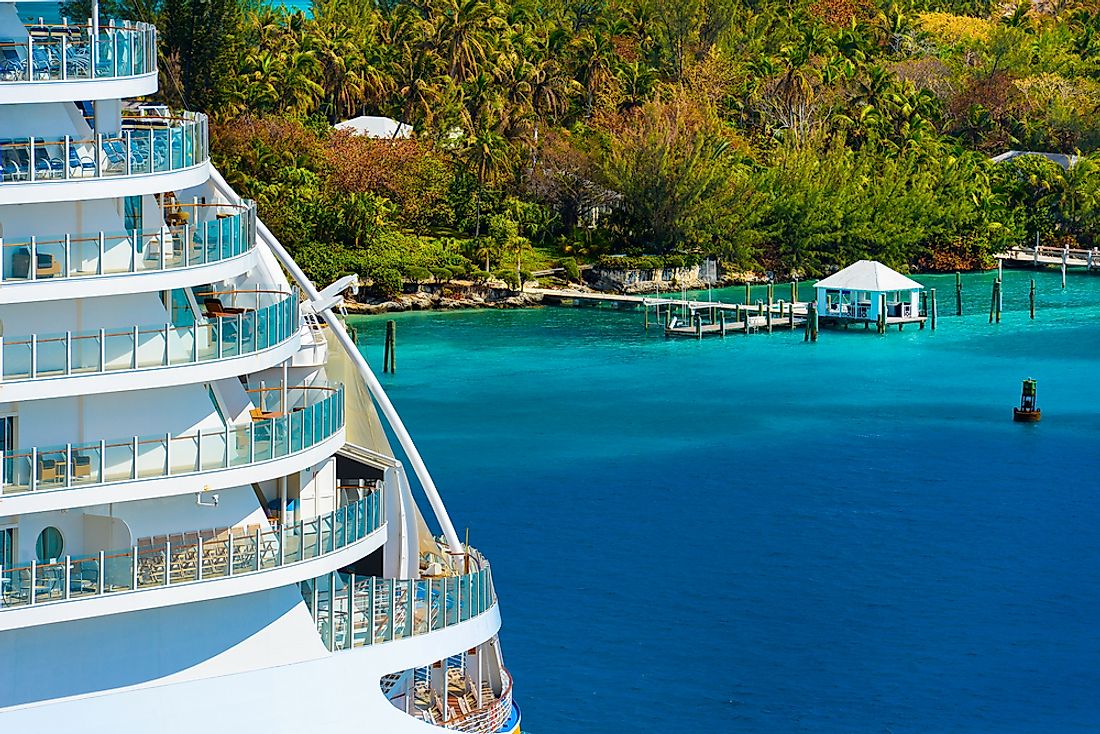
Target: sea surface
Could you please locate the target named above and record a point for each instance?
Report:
(758, 534)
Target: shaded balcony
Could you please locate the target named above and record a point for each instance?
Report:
(190, 557)
(309, 416)
(65, 52)
(146, 144)
(222, 335)
(194, 234)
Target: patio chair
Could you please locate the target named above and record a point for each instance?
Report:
(46, 266)
(83, 164)
(82, 466)
(48, 470)
(215, 309)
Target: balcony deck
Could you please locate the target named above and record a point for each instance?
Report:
(34, 366)
(148, 151)
(189, 557)
(311, 420)
(61, 62)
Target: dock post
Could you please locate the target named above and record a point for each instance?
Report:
(748, 293)
(993, 302)
(813, 321)
(1000, 298)
(794, 291)
(958, 294)
(748, 318)
(1031, 298)
(1065, 257)
(882, 313)
(668, 317)
(769, 316)
(389, 359)
(698, 325)
(935, 310)
(722, 323)
(645, 307)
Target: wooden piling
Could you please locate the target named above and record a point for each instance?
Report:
(769, 315)
(646, 309)
(933, 314)
(698, 326)
(958, 294)
(813, 321)
(748, 293)
(1065, 256)
(882, 313)
(722, 323)
(389, 359)
(1031, 298)
(1000, 299)
(794, 291)
(993, 302)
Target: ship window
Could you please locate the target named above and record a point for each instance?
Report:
(7, 547)
(133, 214)
(49, 545)
(7, 439)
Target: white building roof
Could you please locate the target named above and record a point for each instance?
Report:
(868, 275)
(376, 127)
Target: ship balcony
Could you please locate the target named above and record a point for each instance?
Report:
(358, 611)
(470, 705)
(199, 243)
(292, 431)
(197, 557)
(59, 63)
(150, 154)
(255, 331)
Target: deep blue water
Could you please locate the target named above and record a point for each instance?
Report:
(762, 535)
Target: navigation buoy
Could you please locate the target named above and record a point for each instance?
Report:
(1028, 412)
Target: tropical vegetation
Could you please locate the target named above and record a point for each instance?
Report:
(794, 136)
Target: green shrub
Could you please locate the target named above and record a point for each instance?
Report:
(509, 276)
(417, 274)
(441, 274)
(569, 265)
(386, 281)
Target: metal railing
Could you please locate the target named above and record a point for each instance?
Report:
(305, 422)
(228, 231)
(64, 52)
(485, 719)
(148, 347)
(356, 611)
(146, 144)
(189, 557)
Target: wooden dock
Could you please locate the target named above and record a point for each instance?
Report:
(1042, 256)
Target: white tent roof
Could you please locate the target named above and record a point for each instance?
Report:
(868, 275)
(376, 127)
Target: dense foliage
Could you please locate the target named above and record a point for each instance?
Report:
(791, 136)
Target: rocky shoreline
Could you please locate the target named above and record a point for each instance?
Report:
(424, 301)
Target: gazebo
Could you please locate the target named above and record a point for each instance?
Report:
(864, 290)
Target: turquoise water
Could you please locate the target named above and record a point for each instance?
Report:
(762, 535)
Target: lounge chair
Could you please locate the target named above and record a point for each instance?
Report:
(46, 266)
(215, 309)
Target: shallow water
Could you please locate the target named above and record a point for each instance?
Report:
(757, 534)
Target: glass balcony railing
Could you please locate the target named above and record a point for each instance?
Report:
(75, 52)
(310, 416)
(354, 611)
(143, 347)
(146, 144)
(189, 557)
(200, 234)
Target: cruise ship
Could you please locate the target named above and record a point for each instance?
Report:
(203, 520)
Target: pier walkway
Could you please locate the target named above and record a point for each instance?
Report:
(1043, 255)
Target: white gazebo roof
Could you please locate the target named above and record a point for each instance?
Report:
(376, 127)
(868, 275)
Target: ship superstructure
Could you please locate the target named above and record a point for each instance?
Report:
(201, 519)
